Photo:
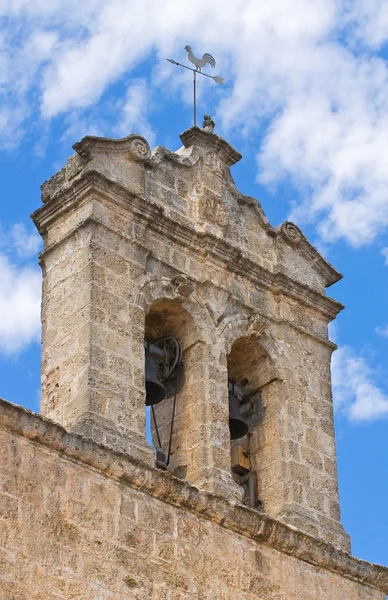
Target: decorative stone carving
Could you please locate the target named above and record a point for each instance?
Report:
(208, 124)
(214, 163)
(292, 232)
(184, 286)
(213, 210)
(136, 146)
(139, 149)
(257, 323)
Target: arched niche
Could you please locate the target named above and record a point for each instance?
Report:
(247, 359)
(168, 317)
(181, 290)
(254, 371)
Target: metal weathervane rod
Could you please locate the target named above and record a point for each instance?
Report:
(207, 59)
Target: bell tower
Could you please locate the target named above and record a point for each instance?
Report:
(142, 246)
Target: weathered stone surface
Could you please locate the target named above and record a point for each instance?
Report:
(140, 244)
(134, 238)
(80, 521)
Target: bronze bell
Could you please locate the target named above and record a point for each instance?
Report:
(155, 391)
(237, 425)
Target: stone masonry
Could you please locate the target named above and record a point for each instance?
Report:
(79, 521)
(140, 245)
(134, 241)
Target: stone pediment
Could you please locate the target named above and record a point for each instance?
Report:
(194, 186)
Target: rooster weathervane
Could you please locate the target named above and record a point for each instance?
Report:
(207, 59)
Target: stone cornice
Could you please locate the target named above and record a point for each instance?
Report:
(63, 202)
(204, 244)
(306, 295)
(166, 487)
(278, 289)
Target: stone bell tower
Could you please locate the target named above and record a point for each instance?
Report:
(140, 245)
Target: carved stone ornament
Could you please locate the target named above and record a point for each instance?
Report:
(208, 124)
(183, 285)
(292, 232)
(214, 164)
(139, 149)
(257, 324)
(214, 211)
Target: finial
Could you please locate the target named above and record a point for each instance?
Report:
(208, 124)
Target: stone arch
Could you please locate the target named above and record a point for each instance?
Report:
(171, 308)
(248, 360)
(182, 291)
(254, 353)
(254, 325)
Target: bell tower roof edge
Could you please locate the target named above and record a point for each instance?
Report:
(209, 141)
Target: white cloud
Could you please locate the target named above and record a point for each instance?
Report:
(369, 20)
(355, 387)
(133, 111)
(20, 288)
(77, 125)
(383, 331)
(26, 243)
(385, 254)
(20, 291)
(11, 126)
(305, 74)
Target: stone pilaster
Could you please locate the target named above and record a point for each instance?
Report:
(92, 329)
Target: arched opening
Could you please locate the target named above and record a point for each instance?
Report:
(171, 420)
(250, 374)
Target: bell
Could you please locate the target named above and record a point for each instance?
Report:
(155, 391)
(237, 425)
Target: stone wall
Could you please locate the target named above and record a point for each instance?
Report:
(81, 522)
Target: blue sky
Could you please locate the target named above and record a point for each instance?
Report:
(305, 101)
